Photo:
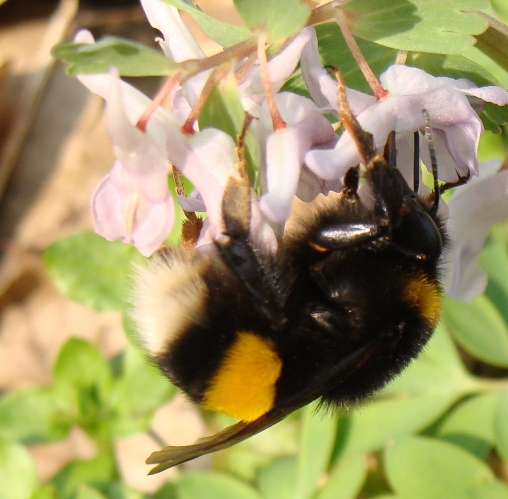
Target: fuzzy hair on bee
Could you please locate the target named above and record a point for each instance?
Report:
(351, 296)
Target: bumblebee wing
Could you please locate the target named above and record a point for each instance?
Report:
(325, 381)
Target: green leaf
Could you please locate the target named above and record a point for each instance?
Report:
(419, 468)
(494, 261)
(479, 328)
(81, 365)
(272, 16)
(224, 110)
(84, 378)
(213, 486)
(33, 415)
(244, 460)
(167, 491)
(277, 479)
(494, 40)
(137, 394)
(18, 476)
(501, 426)
(317, 439)
(46, 491)
(418, 25)
(345, 480)
(130, 58)
(495, 114)
(86, 492)
(225, 34)
(335, 52)
(501, 8)
(92, 271)
(381, 421)
(122, 491)
(97, 472)
(470, 425)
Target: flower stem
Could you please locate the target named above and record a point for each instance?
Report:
(217, 75)
(277, 121)
(371, 78)
(167, 88)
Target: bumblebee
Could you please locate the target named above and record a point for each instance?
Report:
(349, 299)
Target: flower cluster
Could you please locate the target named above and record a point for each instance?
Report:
(301, 155)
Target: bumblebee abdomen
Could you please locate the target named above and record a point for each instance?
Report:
(244, 384)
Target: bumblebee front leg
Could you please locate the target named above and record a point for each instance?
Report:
(239, 254)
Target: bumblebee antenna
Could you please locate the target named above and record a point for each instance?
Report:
(391, 150)
(416, 162)
(433, 161)
(363, 140)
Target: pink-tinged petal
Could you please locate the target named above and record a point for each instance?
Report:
(332, 164)
(405, 80)
(309, 185)
(496, 95)
(283, 172)
(120, 211)
(191, 204)
(180, 107)
(322, 87)
(208, 161)
(262, 233)
(106, 206)
(145, 174)
(153, 223)
(135, 102)
(447, 109)
(84, 36)
(282, 65)
(208, 158)
(448, 169)
(181, 43)
(405, 156)
(472, 211)
(462, 142)
(285, 152)
(143, 162)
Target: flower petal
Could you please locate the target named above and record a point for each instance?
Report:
(322, 87)
(496, 95)
(285, 152)
(153, 224)
(107, 211)
(282, 65)
(179, 40)
(472, 211)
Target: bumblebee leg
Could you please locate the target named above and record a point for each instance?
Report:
(192, 225)
(241, 256)
(351, 183)
(461, 180)
(390, 153)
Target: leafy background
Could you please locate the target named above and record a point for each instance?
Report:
(440, 430)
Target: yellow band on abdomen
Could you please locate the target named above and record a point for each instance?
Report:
(425, 295)
(244, 386)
